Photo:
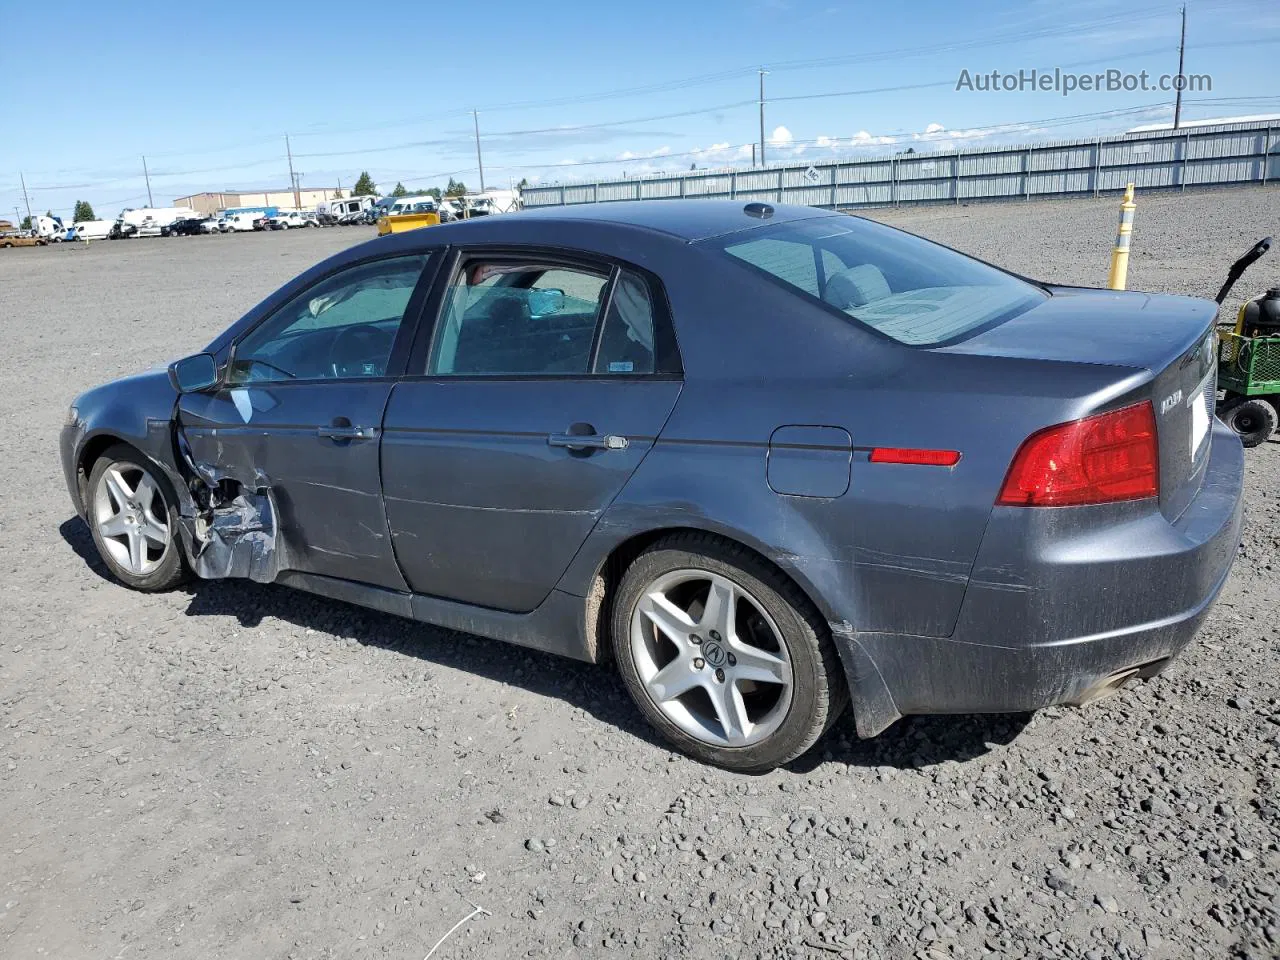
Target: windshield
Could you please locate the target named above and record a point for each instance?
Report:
(897, 284)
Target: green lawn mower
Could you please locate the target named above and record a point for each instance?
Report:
(1249, 359)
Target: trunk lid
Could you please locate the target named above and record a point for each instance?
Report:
(1172, 337)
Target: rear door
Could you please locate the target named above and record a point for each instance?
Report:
(542, 386)
(301, 410)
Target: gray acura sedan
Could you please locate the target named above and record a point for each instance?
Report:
(770, 461)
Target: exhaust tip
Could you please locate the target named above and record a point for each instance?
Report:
(1108, 687)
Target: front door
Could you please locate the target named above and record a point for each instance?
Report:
(301, 412)
(546, 384)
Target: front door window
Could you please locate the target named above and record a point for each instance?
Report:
(341, 328)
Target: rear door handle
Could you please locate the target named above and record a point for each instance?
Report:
(588, 441)
(347, 433)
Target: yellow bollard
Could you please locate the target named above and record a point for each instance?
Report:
(1120, 255)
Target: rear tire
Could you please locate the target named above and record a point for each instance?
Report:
(748, 690)
(1252, 418)
(133, 516)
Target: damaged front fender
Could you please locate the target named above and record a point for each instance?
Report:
(228, 527)
(235, 533)
(237, 539)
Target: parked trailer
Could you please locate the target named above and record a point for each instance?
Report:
(340, 208)
(148, 221)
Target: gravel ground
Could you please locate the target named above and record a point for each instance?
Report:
(244, 771)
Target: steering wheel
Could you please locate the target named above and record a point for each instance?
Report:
(359, 351)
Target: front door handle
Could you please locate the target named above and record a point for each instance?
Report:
(348, 432)
(582, 437)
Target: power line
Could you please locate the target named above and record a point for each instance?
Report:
(719, 108)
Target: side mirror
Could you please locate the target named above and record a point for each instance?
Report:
(194, 373)
(543, 303)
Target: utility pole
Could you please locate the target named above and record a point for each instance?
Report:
(293, 179)
(146, 176)
(479, 160)
(762, 73)
(25, 198)
(1182, 49)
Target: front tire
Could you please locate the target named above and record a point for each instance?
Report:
(133, 517)
(724, 655)
(1252, 418)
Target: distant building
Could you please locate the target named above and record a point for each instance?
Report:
(209, 203)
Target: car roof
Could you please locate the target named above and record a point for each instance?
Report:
(687, 219)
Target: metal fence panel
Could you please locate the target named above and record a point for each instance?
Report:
(659, 189)
(1164, 159)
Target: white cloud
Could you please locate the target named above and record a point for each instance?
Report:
(827, 143)
(864, 139)
(647, 155)
(934, 128)
(780, 136)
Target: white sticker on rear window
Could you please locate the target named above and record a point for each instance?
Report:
(621, 366)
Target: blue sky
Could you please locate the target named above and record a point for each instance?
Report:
(566, 90)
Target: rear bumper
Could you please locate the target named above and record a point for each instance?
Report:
(1058, 608)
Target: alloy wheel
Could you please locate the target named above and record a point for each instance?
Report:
(711, 658)
(132, 518)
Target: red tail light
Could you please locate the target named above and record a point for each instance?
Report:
(1101, 459)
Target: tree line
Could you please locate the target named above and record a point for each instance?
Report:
(366, 187)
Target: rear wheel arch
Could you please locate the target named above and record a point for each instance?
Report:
(603, 586)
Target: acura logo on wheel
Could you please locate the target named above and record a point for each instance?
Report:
(714, 654)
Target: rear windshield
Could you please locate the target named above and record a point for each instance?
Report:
(912, 290)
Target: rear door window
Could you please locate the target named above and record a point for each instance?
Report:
(628, 337)
(510, 317)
